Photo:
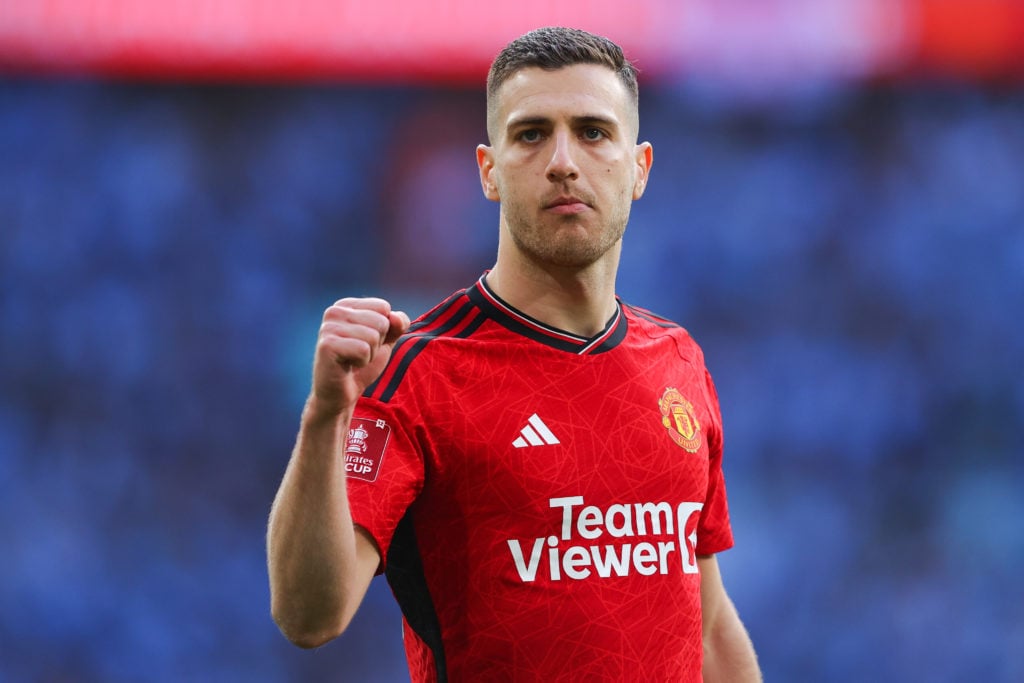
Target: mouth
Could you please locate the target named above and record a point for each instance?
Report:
(566, 205)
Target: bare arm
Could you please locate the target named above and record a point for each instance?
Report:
(320, 565)
(728, 653)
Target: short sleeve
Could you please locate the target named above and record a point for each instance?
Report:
(714, 532)
(384, 469)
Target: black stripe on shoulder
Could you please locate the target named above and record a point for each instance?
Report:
(651, 317)
(418, 341)
(418, 326)
(436, 313)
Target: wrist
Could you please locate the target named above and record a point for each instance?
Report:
(318, 413)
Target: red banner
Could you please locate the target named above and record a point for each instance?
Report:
(454, 40)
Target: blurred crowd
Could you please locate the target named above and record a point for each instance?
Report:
(851, 262)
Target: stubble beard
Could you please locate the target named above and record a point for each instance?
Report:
(565, 242)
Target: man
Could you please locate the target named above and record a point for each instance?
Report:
(534, 464)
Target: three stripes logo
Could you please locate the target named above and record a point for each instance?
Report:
(535, 433)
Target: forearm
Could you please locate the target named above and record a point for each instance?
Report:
(311, 547)
(729, 655)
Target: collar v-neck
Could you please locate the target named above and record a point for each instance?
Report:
(515, 320)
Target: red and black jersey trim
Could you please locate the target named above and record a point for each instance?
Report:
(651, 317)
(438, 313)
(456, 317)
(405, 575)
(515, 320)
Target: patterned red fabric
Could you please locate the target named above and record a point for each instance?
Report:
(541, 497)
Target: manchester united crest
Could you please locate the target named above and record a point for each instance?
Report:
(679, 419)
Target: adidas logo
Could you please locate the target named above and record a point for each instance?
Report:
(536, 433)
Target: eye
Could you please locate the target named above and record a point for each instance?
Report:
(529, 135)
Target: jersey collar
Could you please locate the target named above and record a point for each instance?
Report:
(515, 320)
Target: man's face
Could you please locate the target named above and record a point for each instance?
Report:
(564, 162)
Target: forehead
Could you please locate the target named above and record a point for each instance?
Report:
(572, 91)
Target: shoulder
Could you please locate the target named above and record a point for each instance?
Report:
(655, 326)
(441, 318)
(455, 318)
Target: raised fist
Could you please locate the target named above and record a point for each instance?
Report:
(355, 342)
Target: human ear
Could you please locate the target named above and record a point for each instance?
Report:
(644, 157)
(485, 161)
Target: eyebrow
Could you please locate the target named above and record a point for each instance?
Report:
(585, 120)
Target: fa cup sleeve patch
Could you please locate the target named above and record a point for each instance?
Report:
(364, 448)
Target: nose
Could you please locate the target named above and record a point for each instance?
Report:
(562, 165)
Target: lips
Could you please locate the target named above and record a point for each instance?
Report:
(566, 204)
(566, 200)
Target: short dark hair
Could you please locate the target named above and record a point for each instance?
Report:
(556, 47)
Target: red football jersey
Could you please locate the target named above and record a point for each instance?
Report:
(539, 498)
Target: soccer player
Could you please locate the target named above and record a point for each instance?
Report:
(534, 464)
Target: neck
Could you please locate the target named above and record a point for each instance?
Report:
(579, 301)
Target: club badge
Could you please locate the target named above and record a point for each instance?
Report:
(678, 418)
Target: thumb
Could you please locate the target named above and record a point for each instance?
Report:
(399, 325)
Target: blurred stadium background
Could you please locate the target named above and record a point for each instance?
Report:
(836, 213)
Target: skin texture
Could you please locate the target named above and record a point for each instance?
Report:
(729, 655)
(566, 167)
(320, 564)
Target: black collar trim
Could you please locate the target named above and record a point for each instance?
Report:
(517, 321)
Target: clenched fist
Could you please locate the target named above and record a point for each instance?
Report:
(355, 342)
